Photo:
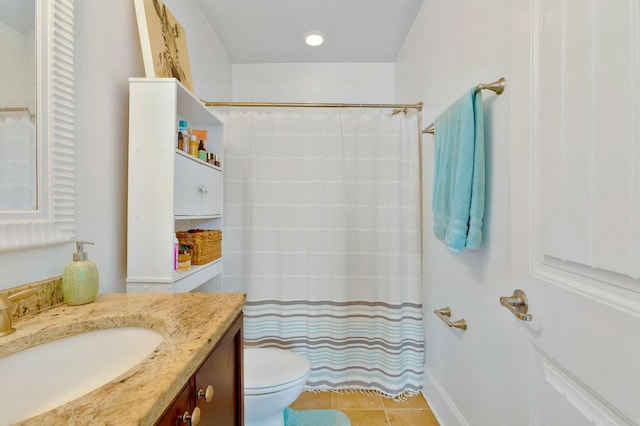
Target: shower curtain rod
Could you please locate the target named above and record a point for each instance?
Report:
(397, 107)
(497, 86)
(17, 109)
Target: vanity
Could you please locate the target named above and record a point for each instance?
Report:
(195, 371)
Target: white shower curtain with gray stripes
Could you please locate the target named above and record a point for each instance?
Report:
(322, 230)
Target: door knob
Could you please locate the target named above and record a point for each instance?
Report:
(517, 304)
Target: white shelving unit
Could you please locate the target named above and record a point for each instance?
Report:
(169, 190)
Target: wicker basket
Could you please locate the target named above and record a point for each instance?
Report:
(205, 245)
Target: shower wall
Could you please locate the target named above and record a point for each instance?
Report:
(17, 162)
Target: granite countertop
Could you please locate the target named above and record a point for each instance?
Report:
(192, 324)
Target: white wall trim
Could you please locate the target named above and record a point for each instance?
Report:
(442, 405)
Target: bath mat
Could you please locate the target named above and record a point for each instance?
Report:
(315, 418)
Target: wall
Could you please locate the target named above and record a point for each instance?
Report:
(107, 53)
(452, 46)
(335, 82)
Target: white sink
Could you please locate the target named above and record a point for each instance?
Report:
(46, 376)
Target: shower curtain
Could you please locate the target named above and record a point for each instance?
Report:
(322, 230)
(18, 173)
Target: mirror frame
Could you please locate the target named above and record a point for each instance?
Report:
(53, 221)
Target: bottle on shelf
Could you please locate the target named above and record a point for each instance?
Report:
(193, 146)
(183, 133)
(176, 250)
(202, 153)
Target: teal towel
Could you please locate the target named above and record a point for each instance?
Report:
(458, 184)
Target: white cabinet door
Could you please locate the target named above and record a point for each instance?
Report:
(575, 191)
(188, 189)
(198, 188)
(211, 182)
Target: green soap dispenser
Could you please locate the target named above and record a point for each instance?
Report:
(80, 278)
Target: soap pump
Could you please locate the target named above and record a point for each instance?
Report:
(80, 278)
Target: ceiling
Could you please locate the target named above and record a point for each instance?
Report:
(272, 31)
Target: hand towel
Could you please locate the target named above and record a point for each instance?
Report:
(458, 184)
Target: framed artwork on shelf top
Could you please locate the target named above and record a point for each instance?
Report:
(163, 42)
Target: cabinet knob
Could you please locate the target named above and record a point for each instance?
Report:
(204, 189)
(206, 394)
(193, 419)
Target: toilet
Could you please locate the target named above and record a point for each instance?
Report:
(273, 379)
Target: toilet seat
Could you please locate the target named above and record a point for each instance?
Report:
(269, 370)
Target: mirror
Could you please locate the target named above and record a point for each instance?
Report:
(18, 171)
(36, 145)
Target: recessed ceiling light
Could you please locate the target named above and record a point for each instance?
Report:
(314, 38)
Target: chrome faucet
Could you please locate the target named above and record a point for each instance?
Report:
(5, 306)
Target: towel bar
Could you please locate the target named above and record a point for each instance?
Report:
(446, 312)
(496, 86)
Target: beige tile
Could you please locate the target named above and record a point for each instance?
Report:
(367, 417)
(357, 401)
(414, 402)
(411, 418)
(312, 401)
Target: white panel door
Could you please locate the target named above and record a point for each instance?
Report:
(575, 94)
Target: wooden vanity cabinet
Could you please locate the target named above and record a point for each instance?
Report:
(219, 377)
(173, 415)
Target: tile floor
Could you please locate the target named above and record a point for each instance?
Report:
(370, 410)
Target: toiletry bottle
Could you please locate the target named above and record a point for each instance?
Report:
(202, 153)
(182, 132)
(193, 146)
(80, 278)
(185, 141)
(176, 249)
